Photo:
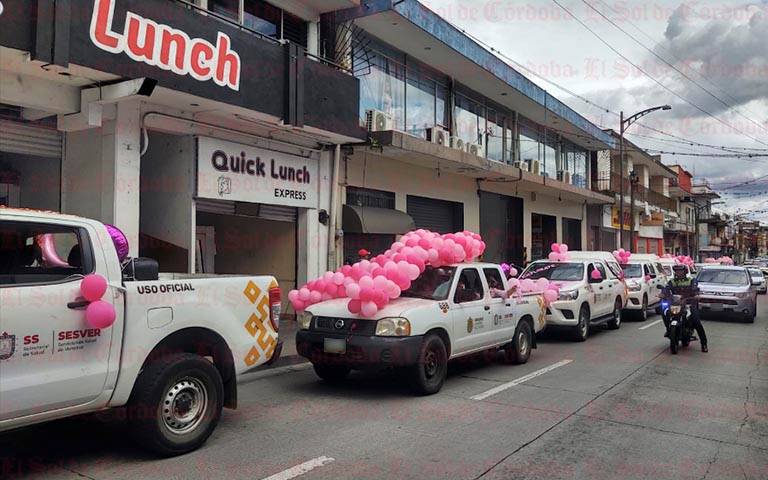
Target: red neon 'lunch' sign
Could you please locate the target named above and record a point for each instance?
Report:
(165, 47)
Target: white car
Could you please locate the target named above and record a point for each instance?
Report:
(758, 280)
(645, 280)
(584, 301)
(448, 312)
(668, 263)
(172, 356)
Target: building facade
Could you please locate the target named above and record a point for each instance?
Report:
(207, 131)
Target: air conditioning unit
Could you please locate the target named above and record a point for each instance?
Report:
(458, 144)
(521, 165)
(534, 167)
(439, 136)
(378, 121)
(476, 149)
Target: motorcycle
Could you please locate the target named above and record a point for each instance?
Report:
(680, 329)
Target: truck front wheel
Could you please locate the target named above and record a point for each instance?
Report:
(176, 404)
(428, 375)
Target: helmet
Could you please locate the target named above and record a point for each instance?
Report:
(679, 268)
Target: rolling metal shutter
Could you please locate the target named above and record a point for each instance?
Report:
(241, 209)
(28, 139)
(436, 215)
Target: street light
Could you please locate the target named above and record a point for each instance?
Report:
(625, 124)
(634, 180)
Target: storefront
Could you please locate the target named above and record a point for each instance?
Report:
(502, 227)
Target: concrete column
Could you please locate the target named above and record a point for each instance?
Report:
(100, 172)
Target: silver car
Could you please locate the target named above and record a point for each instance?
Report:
(758, 280)
(727, 290)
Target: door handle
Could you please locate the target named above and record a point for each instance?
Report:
(78, 304)
(487, 307)
(507, 304)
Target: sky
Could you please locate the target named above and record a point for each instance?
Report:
(707, 59)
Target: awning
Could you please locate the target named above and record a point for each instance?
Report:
(357, 219)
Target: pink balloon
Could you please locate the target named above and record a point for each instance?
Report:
(293, 296)
(367, 294)
(397, 246)
(315, 296)
(513, 282)
(331, 288)
(527, 285)
(554, 256)
(366, 282)
(47, 245)
(380, 282)
(93, 287)
(550, 296)
(369, 309)
(596, 275)
(563, 248)
(299, 306)
(304, 294)
(119, 240)
(338, 278)
(328, 276)
(555, 247)
(320, 285)
(353, 291)
(100, 314)
(647, 278)
(513, 272)
(346, 269)
(354, 306)
(542, 284)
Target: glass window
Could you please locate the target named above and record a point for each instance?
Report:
(38, 253)
(470, 122)
(632, 271)
(723, 277)
(262, 17)
(529, 144)
(420, 105)
(432, 284)
(469, 287)
(382, 87)
(510, 143)
(441, 106)
(495, 282)
(226, 8)
(565, 272)
(495, 136)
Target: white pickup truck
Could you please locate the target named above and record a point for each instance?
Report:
(172, 357)
(585, 300)
(448, 312)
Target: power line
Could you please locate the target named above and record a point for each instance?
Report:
(683, 74)
(617, 52)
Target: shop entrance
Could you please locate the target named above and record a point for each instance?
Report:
(572, 233)
(543, 234)
(30, 163)
(439, 216)
(501, 226)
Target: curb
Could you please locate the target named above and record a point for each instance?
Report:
(291, 363)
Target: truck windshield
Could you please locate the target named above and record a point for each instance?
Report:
(433, 284)
(632, 271)
(566, 272)
(723, 277)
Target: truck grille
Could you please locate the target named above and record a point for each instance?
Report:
(351, 326)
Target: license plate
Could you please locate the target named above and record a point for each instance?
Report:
(334, 345)
(717, 307)
(674, 323)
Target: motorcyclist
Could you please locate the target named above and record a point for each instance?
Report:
(688, 289)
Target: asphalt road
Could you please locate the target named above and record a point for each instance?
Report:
(617, 406)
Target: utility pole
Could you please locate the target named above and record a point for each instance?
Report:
(633, 180)
(624, 125)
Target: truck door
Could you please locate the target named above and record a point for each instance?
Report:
(501, 312)
(50, 358)
(470, 311)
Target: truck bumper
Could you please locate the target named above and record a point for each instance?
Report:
(361, 351)
(635, 301)
(563, 314)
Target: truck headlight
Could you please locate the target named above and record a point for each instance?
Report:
(742, 294)
(393, 327)
(567, 295)
(675, 309)
(634, 287)
(305, 320)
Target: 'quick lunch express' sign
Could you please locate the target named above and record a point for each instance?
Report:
(231, 171)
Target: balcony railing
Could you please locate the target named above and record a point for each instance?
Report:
(612, 183)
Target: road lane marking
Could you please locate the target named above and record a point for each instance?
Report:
(301, 469)
(650, 324)
(504, 386)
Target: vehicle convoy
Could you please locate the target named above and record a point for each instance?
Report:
(448, 312)
(680, 329)
(727, 290)
(171, 358)
(586, 299)
(645, 279)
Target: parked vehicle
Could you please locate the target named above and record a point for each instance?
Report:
(448, 312)
(680, 330)
(585, 301)
(644, 284)
(758, 280)
(668, 263)
(727, 290)
(172, 357)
